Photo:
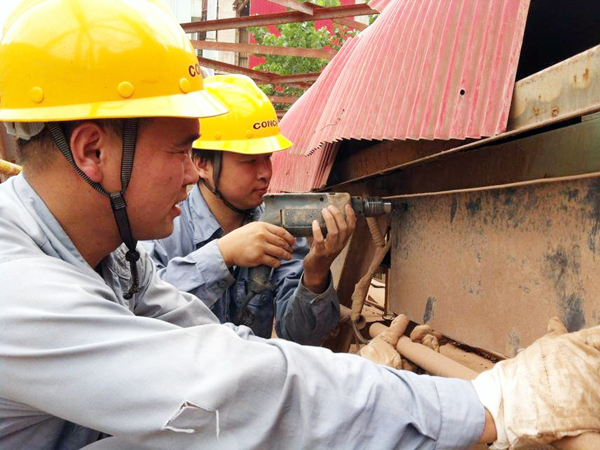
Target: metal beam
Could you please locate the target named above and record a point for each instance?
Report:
(230, 68)
(265, 49)
(295, 78)
(285, 100)
(306, 8)
(351, 23)
(559, 91)
(346, 22)
(298, 80)
(279, 18)
(566, 151)
(309, 8)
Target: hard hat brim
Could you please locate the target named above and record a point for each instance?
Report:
(255, 146)
(196, 104)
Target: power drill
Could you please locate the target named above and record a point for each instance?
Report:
(296, 213)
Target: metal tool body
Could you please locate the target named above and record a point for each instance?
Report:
(296, 213)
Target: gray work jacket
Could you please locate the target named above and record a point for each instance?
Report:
(160, 372)
(190, 260)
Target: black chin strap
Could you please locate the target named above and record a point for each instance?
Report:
(117, 199)
(217, 165)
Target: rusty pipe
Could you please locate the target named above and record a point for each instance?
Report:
(432, 362)
(586, 441)
(8, 168)
(345, 313)
(437, 364)
(360, 289)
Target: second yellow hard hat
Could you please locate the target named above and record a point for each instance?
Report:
(251, 126)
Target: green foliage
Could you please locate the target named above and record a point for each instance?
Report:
(302, 35)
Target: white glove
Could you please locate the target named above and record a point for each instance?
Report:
(548, 391)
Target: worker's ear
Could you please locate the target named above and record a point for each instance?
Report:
(204, 167)
(96, 152)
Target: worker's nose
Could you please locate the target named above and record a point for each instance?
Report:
(190, 175)
(265, 170)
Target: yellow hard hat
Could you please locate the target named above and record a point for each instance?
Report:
(250, 127)
(98, 59)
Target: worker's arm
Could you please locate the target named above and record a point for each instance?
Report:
(303, 316)
(68, 349)
(309, 314)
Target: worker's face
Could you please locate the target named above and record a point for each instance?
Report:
(162, 169)
(244, 179)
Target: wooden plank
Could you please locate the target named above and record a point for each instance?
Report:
(279, 18)
(265, 49)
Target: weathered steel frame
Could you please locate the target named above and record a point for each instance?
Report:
(265, 49)
(334, 12)
(491, 266)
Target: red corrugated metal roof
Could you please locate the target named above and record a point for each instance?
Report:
(426, 69)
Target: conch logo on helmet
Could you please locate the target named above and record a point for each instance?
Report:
(265, 124)
(194, 70)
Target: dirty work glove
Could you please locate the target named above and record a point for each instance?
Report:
(382, 349)
(548, 391)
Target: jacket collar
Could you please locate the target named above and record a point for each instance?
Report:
(205, 226)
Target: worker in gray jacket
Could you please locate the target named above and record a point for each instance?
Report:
(97, 351)
(216, 238)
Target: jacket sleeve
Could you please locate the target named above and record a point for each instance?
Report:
(69, 350)
(303, 316)
(201, 272)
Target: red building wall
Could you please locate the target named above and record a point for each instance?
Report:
(266, 7)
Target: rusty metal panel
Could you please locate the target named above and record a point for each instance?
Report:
(490, 268)
(571, 86)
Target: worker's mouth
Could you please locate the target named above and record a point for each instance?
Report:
(261, 191)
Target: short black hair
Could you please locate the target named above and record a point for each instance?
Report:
(204, 155)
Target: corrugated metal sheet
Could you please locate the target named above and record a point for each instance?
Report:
(297, 173)
(424, 70)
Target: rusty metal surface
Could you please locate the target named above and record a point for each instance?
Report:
(334, 12)
(491, 268)
(566, 151)
(569, 86)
